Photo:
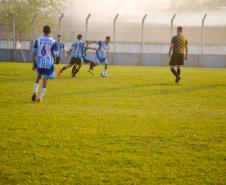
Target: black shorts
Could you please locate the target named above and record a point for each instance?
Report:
(177, 59)
(75, 60)
(57, 60)
(86, 61)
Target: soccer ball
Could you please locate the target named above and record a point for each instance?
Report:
(104, 74)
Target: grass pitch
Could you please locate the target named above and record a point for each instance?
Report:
(135, 127)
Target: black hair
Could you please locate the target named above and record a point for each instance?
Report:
(79, 36)
(108, 38)
(179, 28)
(59, 35)
(46, 30)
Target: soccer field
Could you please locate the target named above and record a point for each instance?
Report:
(135, 127)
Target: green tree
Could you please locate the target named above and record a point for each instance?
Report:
(26, 10)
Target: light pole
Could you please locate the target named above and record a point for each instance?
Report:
(172, 21)
(14, 30)
(142, 33)
(114, 32)
(203, 33)
(33, 27)
(87, 25)
(60, 19)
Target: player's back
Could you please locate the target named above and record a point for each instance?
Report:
(179, 43)
(78, 49)
(44, 51)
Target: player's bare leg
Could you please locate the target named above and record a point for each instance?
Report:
(73, 69)
(36, 86)
(43, 90)
(91, 67)
(59, 72)
(106, 67)
(77, 69)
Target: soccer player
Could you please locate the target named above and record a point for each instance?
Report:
(60, 49)
(77, 50)
(101, 54)
(44, 56)
(179, 47)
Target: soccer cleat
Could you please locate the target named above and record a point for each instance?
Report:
(59, 73)
(178, 79)
(39, 100)
(91, 71)
(33, 98)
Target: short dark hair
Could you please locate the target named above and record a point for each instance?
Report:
(79, 36)
(179, 28)
(46, 30)
(108, 38)
(59, 35)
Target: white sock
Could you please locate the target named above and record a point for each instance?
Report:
(42, 93)
(36, 86)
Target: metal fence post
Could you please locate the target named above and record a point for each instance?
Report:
(114, 32)
(87, 25)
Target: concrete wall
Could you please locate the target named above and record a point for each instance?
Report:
(149, 59)
(145, 59)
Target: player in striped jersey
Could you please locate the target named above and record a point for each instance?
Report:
(179, 46)
(101, 54)
(60, 49)
(77, 51)
(44, 52)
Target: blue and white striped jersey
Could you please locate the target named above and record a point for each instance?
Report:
(44, 50)
(78, 49)
(102, 49)
(60, 48)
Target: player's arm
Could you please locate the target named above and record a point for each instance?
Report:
(171, 47)
(54, 51)
(91, 42)
(186, 50)
(68, 52)
(91, 48)
(34, 52)
(64, 50)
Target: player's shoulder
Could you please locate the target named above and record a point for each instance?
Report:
(99, 42)
(52, 39)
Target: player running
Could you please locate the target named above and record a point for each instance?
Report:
(60, 49)
(179, 46)
(77, 51)
(44, 55)
(101, 54)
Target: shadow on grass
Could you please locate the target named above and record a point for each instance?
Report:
(152, 91)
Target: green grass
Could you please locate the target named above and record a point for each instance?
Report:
(135, 127)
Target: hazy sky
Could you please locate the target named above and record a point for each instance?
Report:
(158, 11)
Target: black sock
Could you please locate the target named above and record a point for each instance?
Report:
(63, 69)
(178, 72)
(73, 69)
(174, 72)
(76, 71)
(91, 66)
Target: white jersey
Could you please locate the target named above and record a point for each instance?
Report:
(102, 50)
(78, 49)
(44, 50)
